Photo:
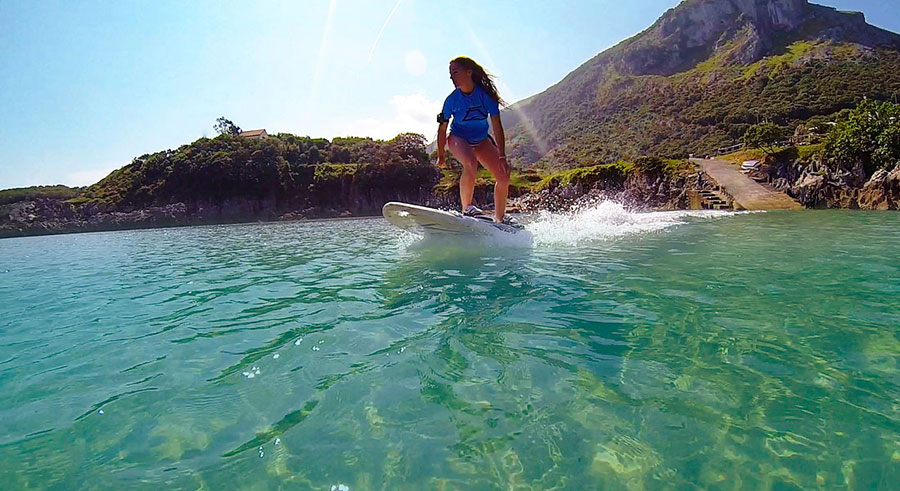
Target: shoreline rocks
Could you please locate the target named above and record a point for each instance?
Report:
(813, 185)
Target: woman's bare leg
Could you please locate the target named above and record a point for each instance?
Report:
(466, 156)
(489, 155)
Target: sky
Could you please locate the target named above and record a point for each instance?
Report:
(87, 86)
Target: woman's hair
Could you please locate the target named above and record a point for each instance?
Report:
(480, 77)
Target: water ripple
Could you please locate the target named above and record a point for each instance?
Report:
(624, 351)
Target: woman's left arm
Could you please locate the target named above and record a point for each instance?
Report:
(499, 137)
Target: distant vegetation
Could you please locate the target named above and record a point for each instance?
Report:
(869, 134)
(291, 170)
(225, 126)
(587, 176)
(615, 172)
(283, 168)
(700, 111)
(8, 196)
(764, 136)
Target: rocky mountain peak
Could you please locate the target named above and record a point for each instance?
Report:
(695, 30)
(779, 14)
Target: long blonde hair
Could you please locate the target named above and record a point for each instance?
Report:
(480, 77)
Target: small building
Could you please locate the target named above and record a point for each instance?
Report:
(255, 134)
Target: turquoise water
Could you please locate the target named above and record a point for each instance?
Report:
(624, 351)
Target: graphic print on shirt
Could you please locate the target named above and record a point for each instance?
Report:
(469, 113)
(475, 113)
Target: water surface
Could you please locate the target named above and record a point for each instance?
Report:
(623, 351)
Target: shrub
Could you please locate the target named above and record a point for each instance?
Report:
(869, 134)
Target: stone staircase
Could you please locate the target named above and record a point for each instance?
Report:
(715, 200)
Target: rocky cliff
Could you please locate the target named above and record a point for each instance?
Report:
(817, 185)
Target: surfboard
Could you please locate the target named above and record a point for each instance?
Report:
(429, 222)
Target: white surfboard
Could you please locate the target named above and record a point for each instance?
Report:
(430, 222)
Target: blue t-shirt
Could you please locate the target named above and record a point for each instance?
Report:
(470, 113)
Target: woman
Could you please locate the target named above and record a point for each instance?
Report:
(469, 106)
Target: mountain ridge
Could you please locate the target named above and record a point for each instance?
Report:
(703, 45)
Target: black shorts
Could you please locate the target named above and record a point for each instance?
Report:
(475, 144)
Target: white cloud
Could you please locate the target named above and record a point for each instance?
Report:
(412, 113)
(416, 63)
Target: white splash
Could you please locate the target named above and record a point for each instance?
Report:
(607, 220)
(599, 221)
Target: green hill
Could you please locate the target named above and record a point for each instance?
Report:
(59, 191)
(285, 171)
(704, 72)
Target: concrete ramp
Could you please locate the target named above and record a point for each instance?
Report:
(747, 193)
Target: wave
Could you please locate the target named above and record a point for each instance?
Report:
(607, 220)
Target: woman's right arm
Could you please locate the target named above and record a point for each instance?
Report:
(441, 144)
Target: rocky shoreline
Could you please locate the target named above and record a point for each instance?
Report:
(811, 183)
(45, 216)
(49, 217)
(815, 185)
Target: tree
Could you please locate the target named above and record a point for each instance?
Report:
(224, 126)
(763, 136)
(869, 134)
(407, 148)
(312, 156)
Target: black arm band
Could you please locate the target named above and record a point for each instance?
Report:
(441, 119)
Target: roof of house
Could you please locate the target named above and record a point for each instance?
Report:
(253, 132)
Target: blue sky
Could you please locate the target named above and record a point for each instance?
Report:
(86, 86)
